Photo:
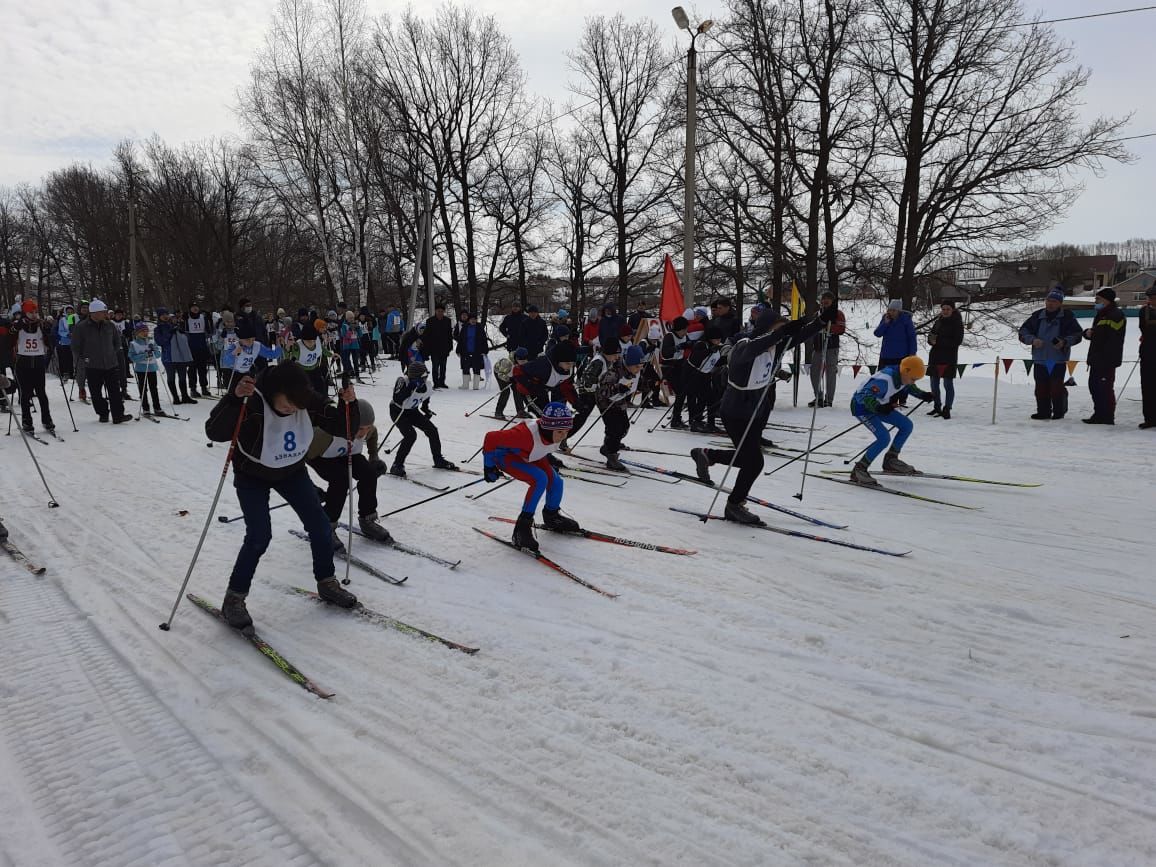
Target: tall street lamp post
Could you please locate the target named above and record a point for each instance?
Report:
(683, 22)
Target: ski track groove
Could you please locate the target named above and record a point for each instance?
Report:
(117, 787)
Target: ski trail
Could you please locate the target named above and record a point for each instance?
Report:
(115, 778)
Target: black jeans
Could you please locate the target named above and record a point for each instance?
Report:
(408, 423)
(100, 381)
(335, 472)
(299, 493)
(750, 457)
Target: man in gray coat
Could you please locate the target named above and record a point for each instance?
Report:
(97, 342)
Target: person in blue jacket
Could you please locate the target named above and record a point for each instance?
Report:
(1051, 333)
(898, 333)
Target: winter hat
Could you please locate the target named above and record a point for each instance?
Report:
(308, 331)
(29, 306)
(97, 306)
(521, 353)
(556, 416)
(611, 346)
(895, 304)
(1056, 294)
(1107, 294)
(365, 411)
(416, 370)
(767, 317)
(679, 323)
(632, 356)
(245, 328)
(564, 351)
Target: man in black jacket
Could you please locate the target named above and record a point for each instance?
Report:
(533, 333)
(511, 326)
(436, 344)
(751, 371)
(1105, 354)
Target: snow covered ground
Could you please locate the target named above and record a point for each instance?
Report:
(770, 700)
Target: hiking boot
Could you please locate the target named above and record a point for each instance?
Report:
(740, 514)
(234, 612)
(441, 463)
(397, 470)
(892, 464)
(331, 591)
(613, 463)
(524, 533)
(702, 464)
(860, 476)
(554, 520)
(369, 525)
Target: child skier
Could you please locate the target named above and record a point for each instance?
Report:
(874, 405)
(410, 411)
(615, 389)
(144, 355)
(521, 451)
(273, 431)
(328, 457)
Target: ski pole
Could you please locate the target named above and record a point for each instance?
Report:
(487, 400)
(811, 432)
(349, 477)
(68, 406)
(863, 450)
(167, 625)
(431, 499)
(52, 504)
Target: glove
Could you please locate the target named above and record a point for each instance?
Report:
(492, 473)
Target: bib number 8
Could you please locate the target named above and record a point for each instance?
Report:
(290, 444)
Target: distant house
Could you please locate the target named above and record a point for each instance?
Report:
(1132, 292)
(1032, 277)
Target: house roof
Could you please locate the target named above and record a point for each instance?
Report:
(1045, 273)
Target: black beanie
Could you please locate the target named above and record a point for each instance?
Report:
(564, 351)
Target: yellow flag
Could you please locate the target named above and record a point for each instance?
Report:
(796, 302)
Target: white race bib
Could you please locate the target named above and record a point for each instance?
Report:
(286, 439)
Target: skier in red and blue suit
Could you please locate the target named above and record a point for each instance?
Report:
(521, 452)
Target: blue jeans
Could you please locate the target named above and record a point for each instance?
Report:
(299, 493)
(877, 425)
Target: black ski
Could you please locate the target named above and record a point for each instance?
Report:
(18, 555)
(405, 549)
(360, 564)
(385, 620)
(546, 561)
(287, 668)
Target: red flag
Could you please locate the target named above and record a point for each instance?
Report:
(672, 305)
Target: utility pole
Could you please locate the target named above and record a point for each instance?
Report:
(133, 299)
(683, 22)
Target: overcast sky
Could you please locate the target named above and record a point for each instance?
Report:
(79, 77)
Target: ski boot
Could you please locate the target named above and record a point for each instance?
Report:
(441, 463)
(524, 532)
(371, 527)
(740, 514)
(613, 463)
(892, 464)
(702, 464)
(554, 520)
(331, 591)
(234, 612)
(397, 470)
(860, 476)
(338, 545)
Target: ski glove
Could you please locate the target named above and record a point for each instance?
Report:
(492, 474)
